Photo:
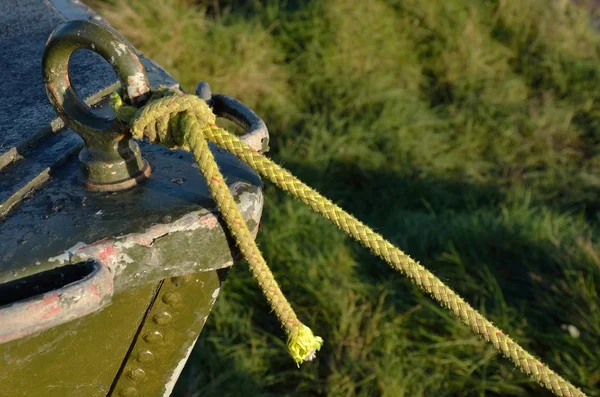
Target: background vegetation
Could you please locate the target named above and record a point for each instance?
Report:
(467, 132)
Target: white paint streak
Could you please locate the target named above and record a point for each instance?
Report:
(254, 139)
(216, 293)
(136, 85)
(121, 263)
(120, 48)
(248, 200)
(188, 222)
(125, 258)
(171, 383)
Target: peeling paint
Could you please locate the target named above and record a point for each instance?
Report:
(189, 222)
(56, 307)
(66, 256)
(137, 85)
(120, 48)
(162, 250)
(125, 258)
(228, 264)
(173, 379)
(255, 139)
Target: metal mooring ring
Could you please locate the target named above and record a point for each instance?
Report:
(115, 49)
(255, 133)
(110, 161)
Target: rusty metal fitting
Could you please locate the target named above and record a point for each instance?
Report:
(110, 161)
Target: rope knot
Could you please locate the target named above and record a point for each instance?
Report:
(168, 118)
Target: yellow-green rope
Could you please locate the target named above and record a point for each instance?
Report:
(174, 119)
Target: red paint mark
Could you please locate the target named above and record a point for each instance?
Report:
(46, 307)
(212, 125)
(35, 305)
(49, 299)
(108, 253)
(50, 311)
(499, 334)
(209, 221)
(215, 179)
(95, 291)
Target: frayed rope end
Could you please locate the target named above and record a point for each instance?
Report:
(303, 344)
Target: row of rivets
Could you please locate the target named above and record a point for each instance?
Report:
(153, 337)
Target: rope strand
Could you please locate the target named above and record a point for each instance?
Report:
(187, 121)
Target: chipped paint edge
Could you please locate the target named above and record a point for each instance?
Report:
(178, 369)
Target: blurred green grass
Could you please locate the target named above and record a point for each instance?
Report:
(466, 132)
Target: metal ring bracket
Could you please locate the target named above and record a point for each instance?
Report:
(106, 42)
(256, 133)
(110, 161)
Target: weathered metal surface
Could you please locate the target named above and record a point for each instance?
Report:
(50, 222)
(167, 336)
(192, 243)
(65, 214)
(80, 358)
